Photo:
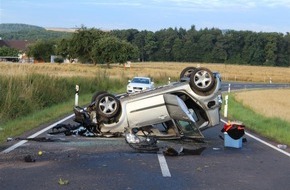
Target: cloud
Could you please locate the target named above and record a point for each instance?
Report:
(225, 4)
(277, 3)
(192, 4)
(126, 3)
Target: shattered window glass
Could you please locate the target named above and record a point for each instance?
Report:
(189, 129)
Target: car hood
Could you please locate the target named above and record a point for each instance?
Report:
(139, 85)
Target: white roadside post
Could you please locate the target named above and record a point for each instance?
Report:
(226, 106)
(168, 80)
(77, 95)
(229, 89)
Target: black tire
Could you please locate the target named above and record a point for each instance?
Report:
(96, 95)
(186, 72)
(202, 80)
(108, 105)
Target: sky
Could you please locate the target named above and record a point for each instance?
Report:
(151, 15)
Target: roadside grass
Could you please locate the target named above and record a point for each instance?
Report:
(272, 128)
(22, 95)
(19, 126)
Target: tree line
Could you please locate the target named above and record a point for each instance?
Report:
(210, 45)
(90, 45)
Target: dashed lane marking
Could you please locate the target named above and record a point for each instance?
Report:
(163, 165)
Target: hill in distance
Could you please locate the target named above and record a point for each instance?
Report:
(30, 32)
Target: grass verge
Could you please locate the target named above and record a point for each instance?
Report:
(21, 125)
(275, 129)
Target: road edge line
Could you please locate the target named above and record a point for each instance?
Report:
(36, 134)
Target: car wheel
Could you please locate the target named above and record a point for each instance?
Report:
(96, 95)
(186, 72)
(202, 80)
(107, 105)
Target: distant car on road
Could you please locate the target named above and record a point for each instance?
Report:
(138, 84)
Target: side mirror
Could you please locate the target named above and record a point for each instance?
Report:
(129, 81)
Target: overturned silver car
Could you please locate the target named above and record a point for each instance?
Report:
(178, 110)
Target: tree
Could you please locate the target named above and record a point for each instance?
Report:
(42, 50)
(286, 49)
(191, 50)
(83, 42)
(139, 41)
(127, 35)
(6, 51)
(150, 45)
(112, 50)
(64, 49)
(177, 50)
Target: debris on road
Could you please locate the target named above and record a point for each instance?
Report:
(282, 146)
(62, 181)
(183, 151)
(29, 158)
(9, 139)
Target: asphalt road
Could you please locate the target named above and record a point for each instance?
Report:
(75, 162)
(246, 86)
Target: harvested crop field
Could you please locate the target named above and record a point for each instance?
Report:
(270, 103)
(152, 69)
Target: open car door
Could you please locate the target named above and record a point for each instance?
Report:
(173, 120)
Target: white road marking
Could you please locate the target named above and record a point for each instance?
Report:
(36, 134)
(163, 165)
(264, 142)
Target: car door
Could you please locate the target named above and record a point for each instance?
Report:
(156, 109)
(147, 111)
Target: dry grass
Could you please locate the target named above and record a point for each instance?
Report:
(153, 69)
(270, 103)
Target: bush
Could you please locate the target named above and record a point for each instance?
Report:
(58, 60)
